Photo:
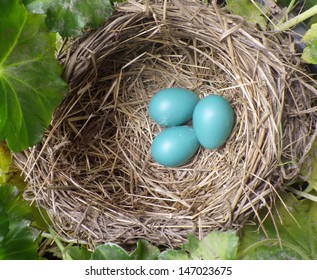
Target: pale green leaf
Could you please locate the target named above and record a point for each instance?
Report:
(5, 163)
(71, 17)
(216, 245)
(110, 251)
(170, 254)
(253, 12)
(292, 236)
(310, 39)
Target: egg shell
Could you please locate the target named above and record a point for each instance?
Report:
(213, 120)
(172, 106)
(174, 146)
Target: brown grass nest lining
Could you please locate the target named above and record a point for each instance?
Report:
(93, 170)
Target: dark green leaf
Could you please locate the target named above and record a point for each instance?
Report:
(79, 253)
(17, 239)
(296, 226)
(145, 251)
(41, 219)
(4, 223)
(30, 85)
(70, 17)
(110, 251)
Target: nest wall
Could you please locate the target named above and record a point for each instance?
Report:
(93, 170)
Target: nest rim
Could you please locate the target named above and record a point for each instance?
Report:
(253, 159)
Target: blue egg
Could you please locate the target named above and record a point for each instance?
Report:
(172, 106)
(174, 146)
(213, 120)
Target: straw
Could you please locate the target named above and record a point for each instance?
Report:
(93, 170)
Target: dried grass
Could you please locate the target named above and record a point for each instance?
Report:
(93, 170)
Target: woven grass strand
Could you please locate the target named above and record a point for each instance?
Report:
(93, 171)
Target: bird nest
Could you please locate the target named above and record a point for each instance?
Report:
(93, 171)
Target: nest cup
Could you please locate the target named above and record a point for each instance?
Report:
(93, 171)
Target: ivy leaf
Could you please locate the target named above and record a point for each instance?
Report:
(310, 39)
(70, 17)
(297, 229)
(215, 246)
(110, 251)
(145, 251)
(17, 239)
(252, 12)
(79, 253)
(171, 254)
(30, 85)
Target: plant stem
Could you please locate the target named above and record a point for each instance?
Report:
(52, 235)
(290, 6)
(303, 194)
(289, 9)
(69, 241)
(300, 18)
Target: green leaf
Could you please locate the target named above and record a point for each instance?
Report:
(171, 254)
(8, 173)
(310, 39)
(37, 6)
(4, 223)
(79, 253)
(252, 12)
(5, 163)
(70, 17)
(110, 251)
(145, 251)
(30, 85)
(17, 239)
(215, 246)
(296, 226)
